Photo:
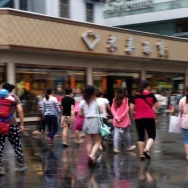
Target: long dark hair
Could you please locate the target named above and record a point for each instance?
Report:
(120, 95)
(186, 90)
(8, 86)
(89, 93)
(49, 91)
(143, 85)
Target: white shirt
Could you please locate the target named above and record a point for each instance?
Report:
(164, 100)
(103, 102)
(89, 110)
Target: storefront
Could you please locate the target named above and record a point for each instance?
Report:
(39, 51)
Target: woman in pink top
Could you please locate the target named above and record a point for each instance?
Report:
(183, 106)
(121, 120)
(142, 107)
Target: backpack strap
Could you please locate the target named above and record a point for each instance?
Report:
(143, 97)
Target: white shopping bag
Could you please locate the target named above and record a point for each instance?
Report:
(175, 124)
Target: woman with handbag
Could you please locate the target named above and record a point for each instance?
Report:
(50, 110)
(142, 107)
(14, 131)
(89, 108)
(183, 107)
(121, 120)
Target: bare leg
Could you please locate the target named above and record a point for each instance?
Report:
(140, 147)
(65, 135)
(149, 143)
(90, 142)
(97, 139)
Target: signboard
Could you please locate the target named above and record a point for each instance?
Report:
(115, 8)
(127, 5)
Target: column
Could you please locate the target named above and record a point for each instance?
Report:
(186, 79)
(143, 75)
(17, 4)
(89, 74)
(11, 74)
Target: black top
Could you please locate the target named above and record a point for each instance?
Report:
(66, 103)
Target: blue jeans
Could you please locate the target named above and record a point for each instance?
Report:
(185, 132)
(51, 121)
(126, 134)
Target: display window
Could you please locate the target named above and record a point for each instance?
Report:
(31, 83)
(2, 74)
(167, 83)
(111, 79)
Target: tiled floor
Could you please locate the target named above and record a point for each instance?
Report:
(57, 167)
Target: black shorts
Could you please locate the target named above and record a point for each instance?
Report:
(148, 125)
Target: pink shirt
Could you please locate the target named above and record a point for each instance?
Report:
(183, 106)
(121, 113)
(144, 109)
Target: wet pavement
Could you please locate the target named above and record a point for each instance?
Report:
(67, 168)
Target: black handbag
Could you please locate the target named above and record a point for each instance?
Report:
(42, 125)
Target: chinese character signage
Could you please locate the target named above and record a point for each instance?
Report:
(129, 46)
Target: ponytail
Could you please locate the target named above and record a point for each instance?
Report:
(49, 91)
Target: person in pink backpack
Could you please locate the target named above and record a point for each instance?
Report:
(77, 97)
(121, 120)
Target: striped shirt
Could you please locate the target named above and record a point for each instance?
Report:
(50, 106)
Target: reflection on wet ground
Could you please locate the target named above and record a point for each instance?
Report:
(67, 168)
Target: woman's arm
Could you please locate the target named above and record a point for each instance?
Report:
(21, 116)
(125, 111)
(132, 107)
(72, 110)
(100, 109)
(81, 112)
(108, 108)
(157, 106)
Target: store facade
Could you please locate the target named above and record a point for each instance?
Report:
(38, 51)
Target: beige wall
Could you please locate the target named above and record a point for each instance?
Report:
(42, 32)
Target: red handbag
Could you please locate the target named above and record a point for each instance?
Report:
(79, 123)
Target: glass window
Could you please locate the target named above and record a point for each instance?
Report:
(167, 83)
(2, 74)
(23, 4)
(110, 80)
(64, 8)
(6, 4)
(89, 12)
(33, 81)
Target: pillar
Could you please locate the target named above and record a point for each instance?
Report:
(11, 74)
(143, 75)
(89, 74)
(17, 4)
(186, 79)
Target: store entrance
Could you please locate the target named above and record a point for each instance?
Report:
(113, 82)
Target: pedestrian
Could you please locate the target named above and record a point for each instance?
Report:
(183, 107)
(15, 130)
(90, 109)
(105, 106)
(78, 97)
(121, 119)
(172, 105)
(142, 107)
(50, 110)
(67, 104)
(164, 103)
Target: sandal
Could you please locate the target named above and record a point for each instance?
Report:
(142, 157)
(146, 153)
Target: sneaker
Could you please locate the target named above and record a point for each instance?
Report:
(116, 150)
(2, 172)
(131, 147)
(78, 141)
(21, 168)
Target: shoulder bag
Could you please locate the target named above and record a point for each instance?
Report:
(103, 128)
